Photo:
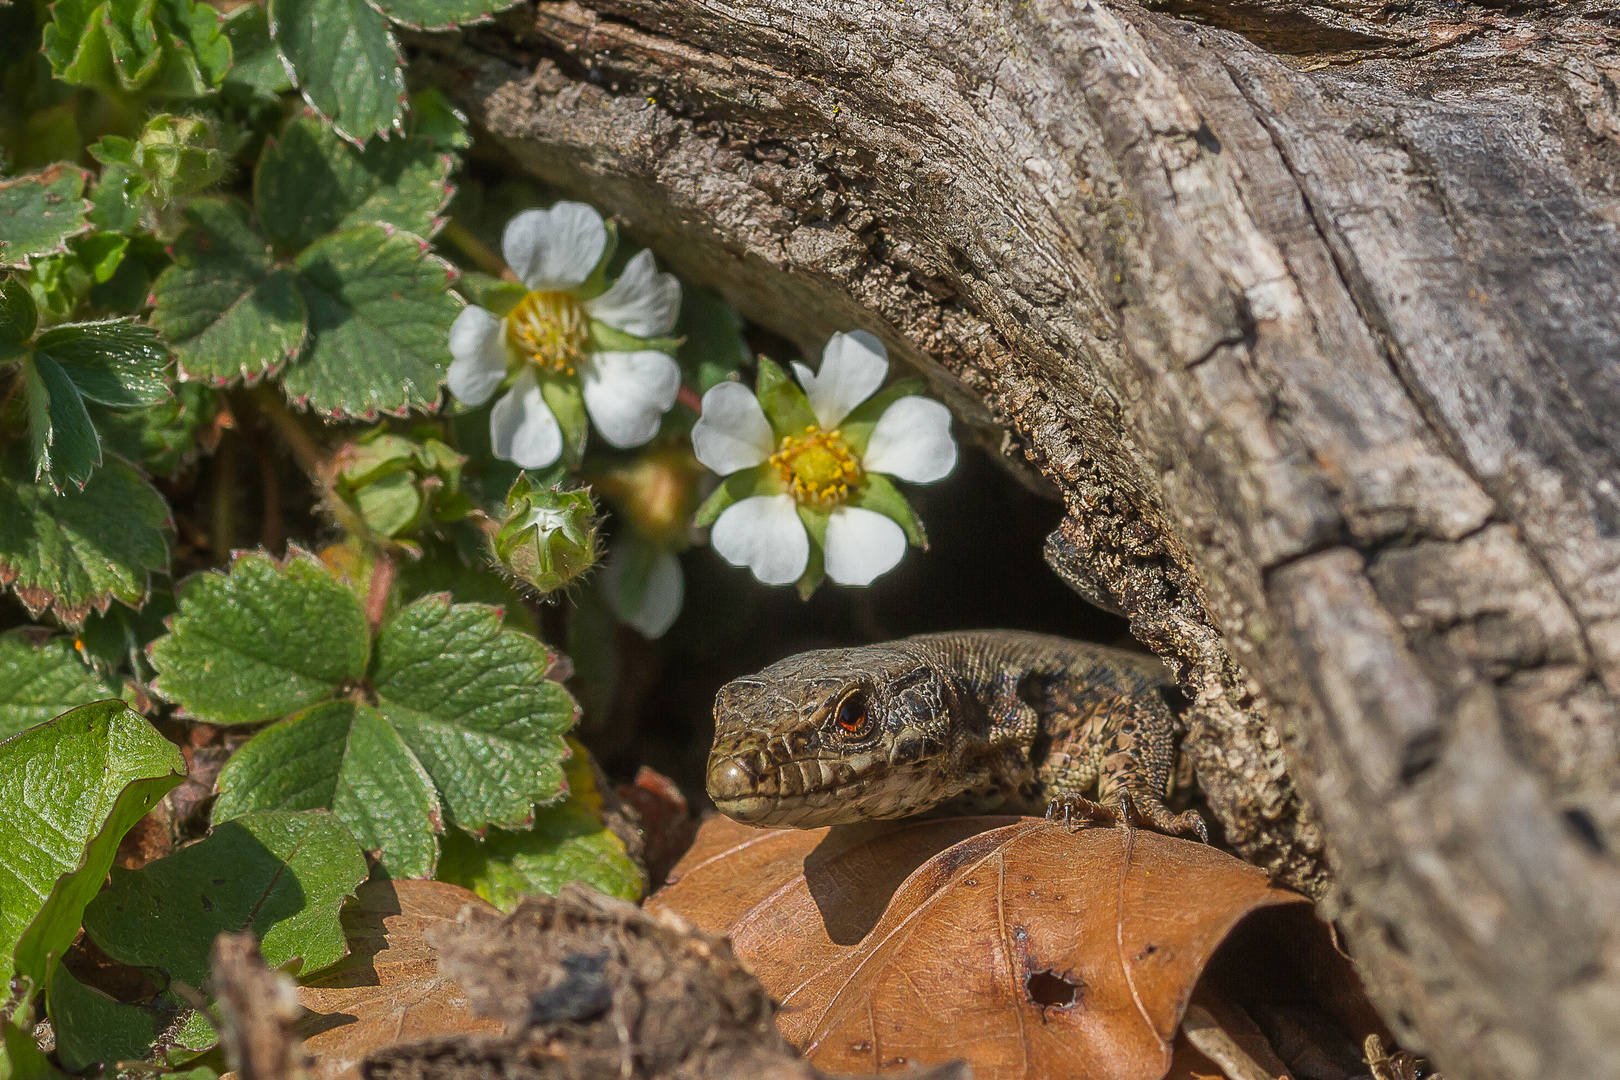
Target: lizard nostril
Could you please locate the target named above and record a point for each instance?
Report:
(730, 779)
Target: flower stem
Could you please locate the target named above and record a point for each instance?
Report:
(458, 235)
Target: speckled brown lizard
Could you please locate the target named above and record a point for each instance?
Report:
(969, 721)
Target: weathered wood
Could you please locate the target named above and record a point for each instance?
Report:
(1324, 357)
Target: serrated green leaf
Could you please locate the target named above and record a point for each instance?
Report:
(346, 62)
(40, 211)
(69, 790)
(118, 362)
(761, 479)
(42, 676)
(473, 703)
(79, 550)
(440, 14)
(880, 495)
(785, 405)
(64, 441)
(18, 315)
(568, 842)
(255, 60)
(223, 305)
(310, 182)
(379, 317)
(344, 757)
(261, 642)
(282, 876)
(162, 48)
(857, 426)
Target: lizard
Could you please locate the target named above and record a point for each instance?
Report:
(967, 721)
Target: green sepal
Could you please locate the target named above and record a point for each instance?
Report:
(761, 479)
(566, 400)
(815, 570)
(605, 338)
(857, 426)
(880, 495)
(494, 295)
(784, 403)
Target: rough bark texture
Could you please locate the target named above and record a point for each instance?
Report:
(1308, 309)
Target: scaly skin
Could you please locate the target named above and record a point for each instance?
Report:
(968, 721)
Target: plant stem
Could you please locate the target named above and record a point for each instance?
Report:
(222, 518)
(476, 250)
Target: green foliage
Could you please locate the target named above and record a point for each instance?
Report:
(282, 875)
(69, 790)
(39, 211)
(174, 156)
(712, 347)
(568, 842)
(444, 708)
(161, 48)
(346, 60)
(360, 318)
(396, 484)
(76, 551)
(547, 536)
(117, 363)
(42, 676)
(379, 319)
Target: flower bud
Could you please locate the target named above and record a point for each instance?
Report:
(548, 536)
(180, 156)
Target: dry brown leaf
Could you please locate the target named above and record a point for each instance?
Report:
(389, 988)
(1013, 943)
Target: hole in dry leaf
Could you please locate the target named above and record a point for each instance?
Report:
(1050, 990)
(1582, 825)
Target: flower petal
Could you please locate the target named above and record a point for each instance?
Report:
(480, 355)
(555, 249)
(521, 428)
(628, 393)
(642, 302)
(912, 441)
(861, 544)
(732, 433)
(853, 366)
(764, 534)
(660, 603)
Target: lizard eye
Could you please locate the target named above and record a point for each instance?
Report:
(853, 719)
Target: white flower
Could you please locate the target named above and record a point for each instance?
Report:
(546, 347)
(822, 483)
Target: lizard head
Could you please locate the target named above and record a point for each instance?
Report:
(832, 737)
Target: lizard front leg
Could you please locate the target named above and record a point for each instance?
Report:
(1131, 744)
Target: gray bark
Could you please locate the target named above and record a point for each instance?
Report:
(1309, 311)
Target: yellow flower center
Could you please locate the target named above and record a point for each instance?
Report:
(549, 328)
(818, 467)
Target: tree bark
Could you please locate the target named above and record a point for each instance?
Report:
(1309, 311)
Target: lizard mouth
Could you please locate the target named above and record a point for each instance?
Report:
(813, 792)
